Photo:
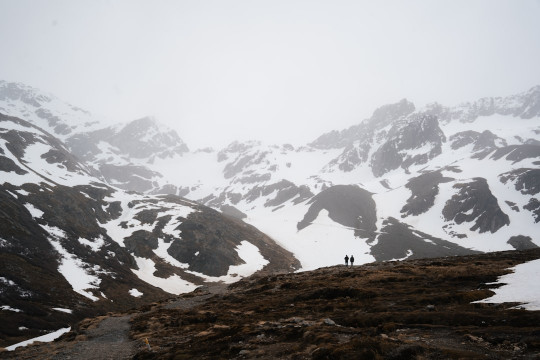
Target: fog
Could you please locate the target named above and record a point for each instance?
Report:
(278, 71)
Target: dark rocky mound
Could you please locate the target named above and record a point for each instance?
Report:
(424, 189)
(284, 191)
(397, 241)
(232, 211)
(209, 240)
(521, 242)
(463, 138)
(527, 181)
(129, 177)
(534, 207)
(485, 144)
(517, 153)
(348, 205)
(475, 203)
(419, 309)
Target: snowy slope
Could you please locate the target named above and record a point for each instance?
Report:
(462, 174)
(487, 149)
(70, 241)
(45, 110)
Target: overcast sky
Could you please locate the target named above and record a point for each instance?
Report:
(276, 70)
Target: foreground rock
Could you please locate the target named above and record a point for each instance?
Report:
(419, 309)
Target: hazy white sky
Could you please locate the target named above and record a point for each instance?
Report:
(277, 70)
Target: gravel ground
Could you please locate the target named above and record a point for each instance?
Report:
(110, 340)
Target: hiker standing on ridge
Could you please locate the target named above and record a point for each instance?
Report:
(352, 260)
(346, 260)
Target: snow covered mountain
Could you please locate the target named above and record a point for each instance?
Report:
(405, 182)
(72, 246)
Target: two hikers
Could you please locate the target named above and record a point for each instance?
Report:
(347, 259)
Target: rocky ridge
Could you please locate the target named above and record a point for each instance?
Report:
(415, 309)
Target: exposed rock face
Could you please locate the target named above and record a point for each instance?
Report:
(284, 191)
(527, 181)
(363, 132)
(399, 241)
(348, 205)
(241, 162)
(412, 141)
(517, 153)
(143, 139)
(424, 189)
(138, 139)
(43, 110)
(129, 177)
(14, 91)
(18, 141)
(525, 105)
(521, 242)
(208, 244)
(534, 207)
(232, 211)
(475, 203)
(463, 138)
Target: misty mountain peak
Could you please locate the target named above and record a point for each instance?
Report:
(22, 92)
(387, 113)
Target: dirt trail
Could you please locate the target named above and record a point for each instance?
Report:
(188, 301)
(109, 340)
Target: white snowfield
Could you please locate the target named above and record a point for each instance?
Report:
(520, 286)
(81, 276)
(43, 338)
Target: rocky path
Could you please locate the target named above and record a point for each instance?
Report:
(109, 340)
(186, 302)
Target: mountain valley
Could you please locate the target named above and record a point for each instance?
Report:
(97, 218)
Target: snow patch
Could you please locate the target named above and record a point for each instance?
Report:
(94, 245)
(173, 284)
(9, 308)
(43, 338)
(74, 270)
(135, 293)
(35, 212)
(162, 252)
(521, 286)
(64, 310)
(253, 261)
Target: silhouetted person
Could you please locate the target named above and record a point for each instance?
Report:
(346, 260)
(352, 260)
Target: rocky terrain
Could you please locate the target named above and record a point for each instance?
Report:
(71, 245)
(414, 309)
(100, 217)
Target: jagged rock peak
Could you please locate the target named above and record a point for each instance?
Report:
(387, 113)
(24, 93)
(146, 137)
(236, 147)
(381, 117)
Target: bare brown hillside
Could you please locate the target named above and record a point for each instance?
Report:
(418, 309)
